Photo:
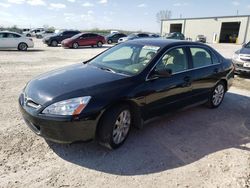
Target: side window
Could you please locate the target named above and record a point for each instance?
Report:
(176, 60)
(122, 54)
(201, 57)
(3, 35)
(16, 36)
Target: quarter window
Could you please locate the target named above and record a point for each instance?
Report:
(201, 57)
(176, 60)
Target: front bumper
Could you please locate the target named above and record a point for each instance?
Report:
(239, 68)
(60, 130)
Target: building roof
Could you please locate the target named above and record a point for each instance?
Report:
(214, 17)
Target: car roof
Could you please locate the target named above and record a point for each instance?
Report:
(10, 32)
(163, 42)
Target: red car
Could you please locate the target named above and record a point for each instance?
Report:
(84, 39)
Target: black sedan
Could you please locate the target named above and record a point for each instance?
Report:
(129, 83)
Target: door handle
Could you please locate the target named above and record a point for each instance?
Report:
(187, 81)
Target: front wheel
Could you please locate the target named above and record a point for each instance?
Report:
(217, 95)
(114, 127)
(75, 45)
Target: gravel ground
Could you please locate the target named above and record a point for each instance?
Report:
(197, 147)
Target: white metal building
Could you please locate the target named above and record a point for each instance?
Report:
(226, 29)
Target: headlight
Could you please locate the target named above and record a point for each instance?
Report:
(68, 107)
(236, 55)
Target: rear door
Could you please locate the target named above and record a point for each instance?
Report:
(12, 40)
(171, 93)
(3, 40)
(206, 71)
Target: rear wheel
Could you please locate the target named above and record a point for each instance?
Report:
(114, 127)
(99, 44)
(217, 95)
(54, 43)
(22, 46)
(75, 45)
(109, 41)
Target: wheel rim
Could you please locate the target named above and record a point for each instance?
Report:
(109, 41)
(75, 45)
(54, 43)
(218, 94)
(121, 127)
(99, 44)
(23, 46)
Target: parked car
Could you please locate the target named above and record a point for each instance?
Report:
(57, 38)
(133, 36)
(15, 40)
(241, 59)
(175, 35)
(44, 34)
(201, 38)
(104, 97)
(33, 32)
(84, 39)
(25, 31)
(114, 37)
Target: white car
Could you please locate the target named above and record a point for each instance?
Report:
(15, 40)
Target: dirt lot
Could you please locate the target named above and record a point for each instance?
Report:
(198, 147)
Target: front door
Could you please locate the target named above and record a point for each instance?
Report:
(169, 93)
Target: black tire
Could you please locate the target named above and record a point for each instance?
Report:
(28, 35)
(75, 45)
(108, 129)
(54, 43)
(217, 95)
(99, 44)
(22, 47)
(109, 41)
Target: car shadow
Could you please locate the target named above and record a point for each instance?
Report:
(89, 47)
(170, 141)
(29, 50)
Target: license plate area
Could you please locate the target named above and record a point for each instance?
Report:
(247, 65)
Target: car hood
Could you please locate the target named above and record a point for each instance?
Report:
(245, 51)
(69, 82)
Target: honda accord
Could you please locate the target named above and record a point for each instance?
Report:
(122, 87)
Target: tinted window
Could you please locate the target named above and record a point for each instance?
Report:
(3, 35)
(176, 60)
(12, 35)
(142, 35)
(201, 57)
(92, 35)
(247, 45)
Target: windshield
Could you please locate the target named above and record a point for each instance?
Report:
(76, 36)
(132, 36)
(247, 45)
(129, 59)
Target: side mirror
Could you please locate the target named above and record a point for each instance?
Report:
(165, 73)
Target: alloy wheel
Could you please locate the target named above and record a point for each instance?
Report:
(121, 127)
(218, 94)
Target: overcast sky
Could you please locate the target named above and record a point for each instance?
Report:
(110, 14)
